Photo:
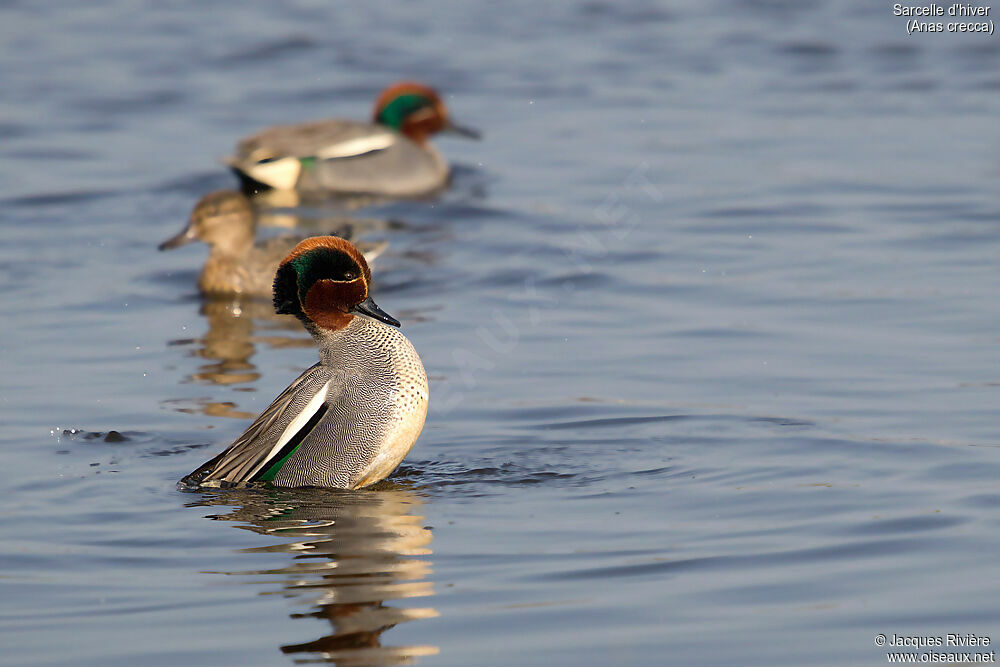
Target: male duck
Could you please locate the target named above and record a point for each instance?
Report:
(349, 420)
(388, 157)
(236, 266)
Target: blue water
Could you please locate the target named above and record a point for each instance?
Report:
(709, 316)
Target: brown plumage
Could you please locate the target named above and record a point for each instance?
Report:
(236, 264)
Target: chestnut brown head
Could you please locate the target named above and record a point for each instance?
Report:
(324, 281)
(416, 111)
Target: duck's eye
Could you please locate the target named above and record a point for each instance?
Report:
(348, 275)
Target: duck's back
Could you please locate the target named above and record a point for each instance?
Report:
(250, 274)
(347, 157)
(303, 139)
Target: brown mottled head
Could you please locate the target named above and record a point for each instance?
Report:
(417, 111)
(223, 219)
(324, 281)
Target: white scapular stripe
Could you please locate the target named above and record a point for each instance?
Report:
(355, 147)
(300, 420)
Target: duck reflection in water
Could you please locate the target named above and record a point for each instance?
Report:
(351, 551)
(235, 327)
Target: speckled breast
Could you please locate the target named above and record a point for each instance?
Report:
(406, 402)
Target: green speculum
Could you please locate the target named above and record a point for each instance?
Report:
(291, 446)
(269, 474)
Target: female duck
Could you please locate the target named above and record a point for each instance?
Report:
(388, 157)
(349, 420)
(236, 266)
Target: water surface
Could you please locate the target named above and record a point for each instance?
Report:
(709, 319)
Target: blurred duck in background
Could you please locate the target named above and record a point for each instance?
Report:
(236, 264)
(389, 157)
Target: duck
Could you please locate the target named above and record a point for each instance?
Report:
(349, 420)
(389, 157)
(236, 265)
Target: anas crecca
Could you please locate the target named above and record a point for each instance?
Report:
(236, 265)
(349, 420)
(388, 157)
